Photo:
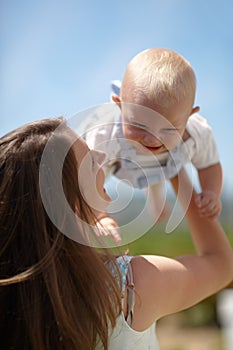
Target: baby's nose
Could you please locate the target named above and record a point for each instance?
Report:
(149, 138)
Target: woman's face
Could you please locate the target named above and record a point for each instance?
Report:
(91, 176)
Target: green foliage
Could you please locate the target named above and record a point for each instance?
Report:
(156, 241)
(200, 315)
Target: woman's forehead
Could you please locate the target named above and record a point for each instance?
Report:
(78, 144)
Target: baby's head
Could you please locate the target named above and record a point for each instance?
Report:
(164, 82)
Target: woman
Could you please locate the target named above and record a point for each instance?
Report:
(50, 295)
(59, 293)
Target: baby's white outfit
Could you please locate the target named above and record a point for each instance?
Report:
(102, 130)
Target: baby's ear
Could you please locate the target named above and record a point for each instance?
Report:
(195, 110)
(116, 99)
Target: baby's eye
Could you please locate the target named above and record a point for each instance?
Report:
(168, 130)
(137, 127)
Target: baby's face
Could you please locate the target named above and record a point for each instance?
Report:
(150, 130)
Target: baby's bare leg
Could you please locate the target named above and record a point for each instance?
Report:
(157, 205)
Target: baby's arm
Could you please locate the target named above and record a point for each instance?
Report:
(211, 181)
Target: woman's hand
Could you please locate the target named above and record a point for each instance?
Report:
(108, 227)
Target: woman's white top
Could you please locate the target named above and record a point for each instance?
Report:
(123, 337)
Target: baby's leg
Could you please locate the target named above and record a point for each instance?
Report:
(156, 199)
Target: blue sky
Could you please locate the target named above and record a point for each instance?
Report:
(58, 57)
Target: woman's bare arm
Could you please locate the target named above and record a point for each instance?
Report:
(165, 285)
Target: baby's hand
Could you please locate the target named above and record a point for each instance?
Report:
(108, 227)
(209, 204)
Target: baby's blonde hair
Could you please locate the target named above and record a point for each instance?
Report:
(160, 77)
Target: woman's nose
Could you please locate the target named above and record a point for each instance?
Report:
(101, 157)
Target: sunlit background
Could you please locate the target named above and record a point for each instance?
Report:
(58, 57)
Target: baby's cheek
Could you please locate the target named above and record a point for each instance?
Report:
(132, 134)
(170, 141)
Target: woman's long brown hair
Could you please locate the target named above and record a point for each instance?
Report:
(54, 292)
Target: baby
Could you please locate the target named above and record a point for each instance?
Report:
(158, 130)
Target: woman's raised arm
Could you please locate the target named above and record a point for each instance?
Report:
(167, 285)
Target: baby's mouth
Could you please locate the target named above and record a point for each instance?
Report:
(154, 149)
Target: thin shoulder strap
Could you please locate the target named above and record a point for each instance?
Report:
(130, 296)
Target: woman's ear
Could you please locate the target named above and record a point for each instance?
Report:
(117, 100)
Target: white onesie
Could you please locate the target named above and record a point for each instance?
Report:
(102, 130)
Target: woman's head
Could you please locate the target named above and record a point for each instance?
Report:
(45, 160)
(48, 282)
(71, 183)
